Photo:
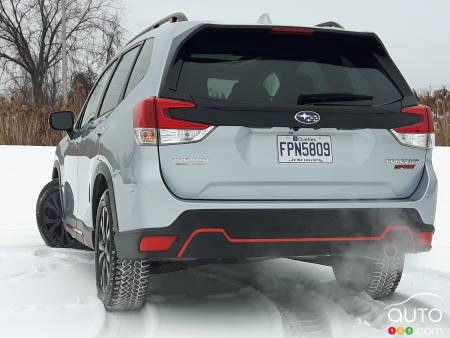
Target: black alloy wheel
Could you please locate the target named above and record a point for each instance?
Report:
(49, 218)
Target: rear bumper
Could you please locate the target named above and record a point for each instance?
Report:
(243, 233)
(236, 229)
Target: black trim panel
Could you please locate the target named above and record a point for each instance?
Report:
(272, 223)
(341, 117)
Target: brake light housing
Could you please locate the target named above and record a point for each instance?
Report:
(421, 134)
(153, 124)
(293, 30)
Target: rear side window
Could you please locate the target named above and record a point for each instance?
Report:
(90, 110)
(118, 81)
(141, 66)
(258, 66)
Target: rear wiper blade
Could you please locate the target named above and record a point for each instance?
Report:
(331, 97)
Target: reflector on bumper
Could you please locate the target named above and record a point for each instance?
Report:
(156, 243)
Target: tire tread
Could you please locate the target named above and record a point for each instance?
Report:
(379, 277)
(130, 279)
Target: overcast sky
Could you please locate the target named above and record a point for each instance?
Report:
(415, 32)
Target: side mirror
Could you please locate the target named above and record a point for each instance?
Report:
(61, 120)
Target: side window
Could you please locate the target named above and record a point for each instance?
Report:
(141, 66)
(90, 109)
(118, 81)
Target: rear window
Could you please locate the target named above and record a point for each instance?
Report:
(258, 66)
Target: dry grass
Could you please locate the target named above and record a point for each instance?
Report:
(439, 101)
(26, 124)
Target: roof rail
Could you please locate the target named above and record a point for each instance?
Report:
(330, 24)
(175, 17)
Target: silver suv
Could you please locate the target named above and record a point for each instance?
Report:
(203, 142)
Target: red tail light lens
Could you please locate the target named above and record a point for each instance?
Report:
(293, 30)
(144, 114)
(425, 124)
(154, 125)
(421, 134)
(165, 121)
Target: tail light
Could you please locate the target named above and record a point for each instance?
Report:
(154, 125)
(419, 135)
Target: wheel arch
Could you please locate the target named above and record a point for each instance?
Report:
(56, 171)
(103, 180)
(56, 175)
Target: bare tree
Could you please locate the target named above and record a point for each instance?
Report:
(30, 37)
(112, 34)
(15, 81)
(82, 81)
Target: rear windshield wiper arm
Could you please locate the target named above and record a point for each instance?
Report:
(331, 97)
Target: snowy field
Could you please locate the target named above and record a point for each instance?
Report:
(51, 292)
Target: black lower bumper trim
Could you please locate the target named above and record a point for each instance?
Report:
(239, 233)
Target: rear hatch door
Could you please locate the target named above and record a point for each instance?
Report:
(299, 114)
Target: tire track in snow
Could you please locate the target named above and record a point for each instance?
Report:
(308, 308)
(44, 260)
(245, 288)
(138, 324)
(300, 315)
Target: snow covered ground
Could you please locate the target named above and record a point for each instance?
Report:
(51, 292)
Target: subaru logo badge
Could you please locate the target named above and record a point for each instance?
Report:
(307, 117)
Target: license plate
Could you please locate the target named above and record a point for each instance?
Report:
(304, 149)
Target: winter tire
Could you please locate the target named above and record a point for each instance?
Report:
(379, 277)
(122, 284)
(49, 219)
